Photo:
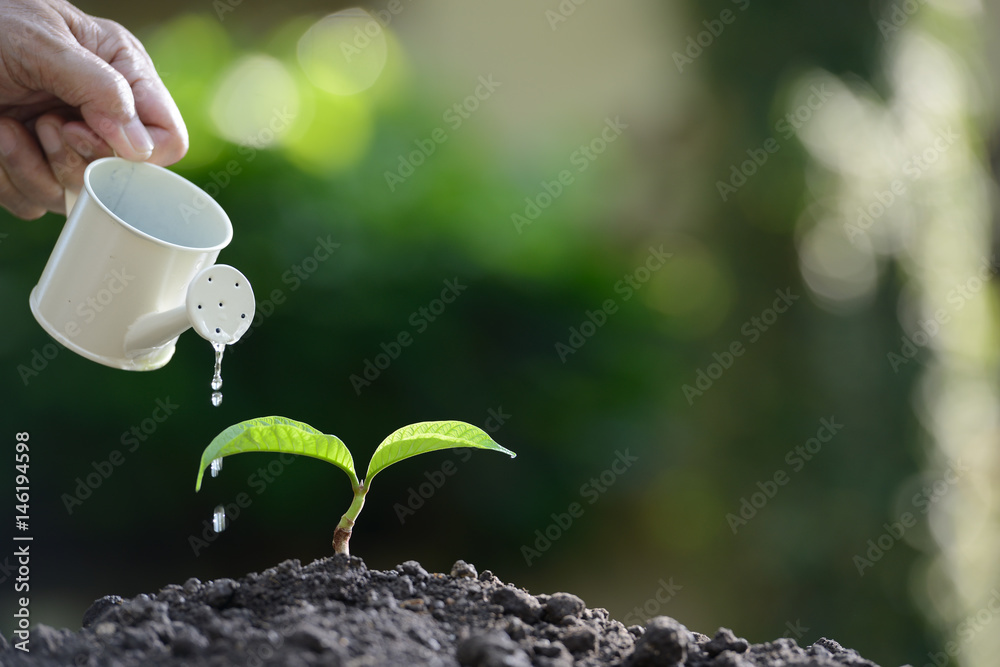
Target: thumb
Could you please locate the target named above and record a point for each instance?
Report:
(83, 80)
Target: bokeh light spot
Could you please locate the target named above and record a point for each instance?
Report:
(344, 53)
(840, 273)
(256, 103)
(334, 132)
(190, 52)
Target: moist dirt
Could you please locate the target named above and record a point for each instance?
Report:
(336, 612)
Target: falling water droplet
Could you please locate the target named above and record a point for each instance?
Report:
(220, 348)
(216, 467)
(219, 519)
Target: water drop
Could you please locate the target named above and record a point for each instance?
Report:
(219, 519)
(216, 467)
(220, 348)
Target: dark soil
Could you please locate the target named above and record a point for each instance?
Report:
(337, 612)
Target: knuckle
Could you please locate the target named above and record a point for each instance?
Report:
(112, 28)
(119, 45)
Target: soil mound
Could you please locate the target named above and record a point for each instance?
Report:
(336, 612)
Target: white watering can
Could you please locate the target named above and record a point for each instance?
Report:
(134, 268)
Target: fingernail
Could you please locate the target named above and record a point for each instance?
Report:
(8, 140)
(49, 136)
(138, 136)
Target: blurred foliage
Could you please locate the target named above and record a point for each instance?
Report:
(494, 350)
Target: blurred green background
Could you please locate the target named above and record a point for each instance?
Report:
(804, 114)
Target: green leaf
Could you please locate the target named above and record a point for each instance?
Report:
(278, 434)
(428, 437)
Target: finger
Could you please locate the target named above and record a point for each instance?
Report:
(153, 104)
(79, 137)
(29, 188)
(159, 113)
(27, 113)
(12, 200)
(108, 107)
(100, 68)
(68, 58)
(67, 165)
(83, 80)
(156, 114)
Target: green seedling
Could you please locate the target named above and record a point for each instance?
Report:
(283, 435)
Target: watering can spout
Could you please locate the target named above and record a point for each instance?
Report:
(219, 306)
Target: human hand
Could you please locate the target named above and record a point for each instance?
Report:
(74, 88)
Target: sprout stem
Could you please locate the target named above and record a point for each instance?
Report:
(342, 534)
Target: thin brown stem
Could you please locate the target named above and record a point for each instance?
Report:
(342, 534)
